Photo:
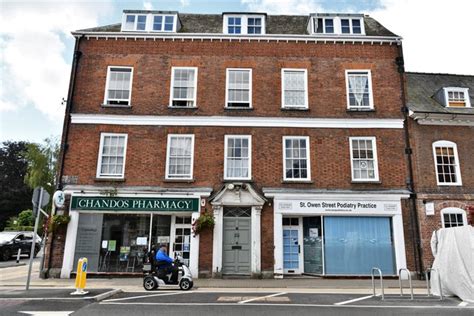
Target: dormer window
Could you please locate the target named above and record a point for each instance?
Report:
(337, 24)
(351, 26)
(244, 24)
(150, 22)
(325, 26)
(457, 97)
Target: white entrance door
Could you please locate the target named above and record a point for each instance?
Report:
(292, 245)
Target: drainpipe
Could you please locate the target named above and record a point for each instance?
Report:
(414, 221)
(65, 134)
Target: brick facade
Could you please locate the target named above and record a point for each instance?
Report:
(329, 154)
(462, 197)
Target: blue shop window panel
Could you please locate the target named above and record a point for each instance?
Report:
(353, 245)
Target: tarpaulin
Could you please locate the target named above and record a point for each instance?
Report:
(453, 249)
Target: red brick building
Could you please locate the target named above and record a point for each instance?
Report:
(288, 130)
(442, 138)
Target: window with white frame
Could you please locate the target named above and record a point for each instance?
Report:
(359, 89)
(324, 25)
(245, 24)
(364, 159)
(294, 88)
(457, 97)
(149, 22)
(296, 160)
(239, 88)
(453, 217)
(446, 163)
(234, 25)
(112, 151)
(183, 86)
(118, 88)
(254, 25)
(180, 157)
(351, 26)
(238, 157)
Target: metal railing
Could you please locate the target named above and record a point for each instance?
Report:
(409, 281)
(381, 281)
(428, 288)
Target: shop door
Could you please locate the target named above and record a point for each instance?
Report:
(292, 241)
(182, 238)
(236, 241)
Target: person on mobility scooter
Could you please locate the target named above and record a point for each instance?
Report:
(160, 270)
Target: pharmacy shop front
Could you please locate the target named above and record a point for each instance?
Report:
(337, 234)
(114, 233)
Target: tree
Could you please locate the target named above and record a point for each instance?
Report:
(15, 195)
(42, 164)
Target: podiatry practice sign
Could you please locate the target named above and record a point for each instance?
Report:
(99, 203)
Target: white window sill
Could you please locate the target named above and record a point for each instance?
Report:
(450, 184)
(107, 105)
(182, 107)
(370, 181)
(294, 108)
(361, 109)
(115, 179)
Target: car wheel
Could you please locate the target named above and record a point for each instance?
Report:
(6, 255)
(185, 284)
(149, 283)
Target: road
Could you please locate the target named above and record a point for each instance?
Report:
(221, 302)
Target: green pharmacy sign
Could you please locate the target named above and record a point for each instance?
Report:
(98, 203)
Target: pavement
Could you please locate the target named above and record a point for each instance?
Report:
(305, 296)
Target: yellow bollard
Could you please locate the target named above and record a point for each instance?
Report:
(81, 277)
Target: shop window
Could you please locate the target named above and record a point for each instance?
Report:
(294, 88)
(359, 89)
(237, 161)
(239, 88)
(183, 87)
(118, 88)
(112, 152)
(453, 217)
(296, 158)
(124, 242)
(447, 163)
(353, 245)
(290, 221)
(180, 156)
(364, 159)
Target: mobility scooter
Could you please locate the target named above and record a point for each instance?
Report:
(155, 278)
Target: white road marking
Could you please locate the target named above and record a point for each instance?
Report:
(50, 313)
(261, 297)
(463, 304)
(354, 300)
(144, 296)
(287, 305)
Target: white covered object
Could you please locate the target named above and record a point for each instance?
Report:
(453, 249)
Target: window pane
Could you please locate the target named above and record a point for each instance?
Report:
(363, 159)
(113, 155)
(329, 26)
(180, 153)
(356, 29)
(359, 94)
(130, 22)
(169, 23)
(294, 88)
(296, 160)
(237, 157)
(157, 23)
(184, 86)
(446, 165)
(119, 86)
(345, 26)
(141, 22)
(239, 88)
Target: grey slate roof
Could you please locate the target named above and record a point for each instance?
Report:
(276, 24)
(421, 88)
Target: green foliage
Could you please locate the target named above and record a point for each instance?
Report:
(20, 229)
(42, 164)
(15, 195)
(205, 221)
(57, 221)
(26, 218)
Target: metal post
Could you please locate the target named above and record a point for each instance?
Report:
(33, 243)
(439, 282)
(381, 281)
(18, 256)
(409, 280)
